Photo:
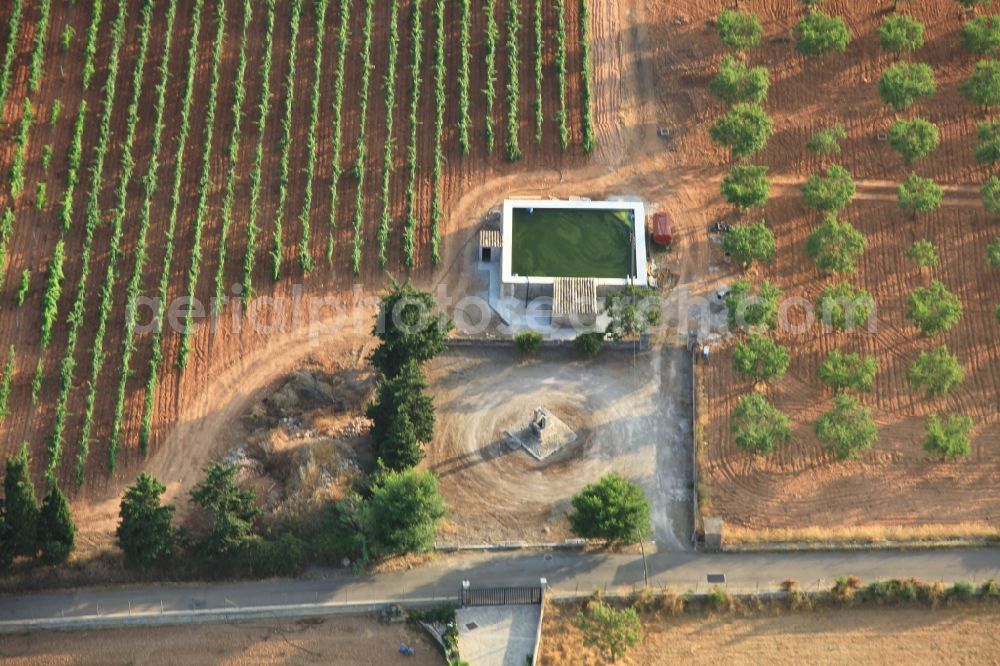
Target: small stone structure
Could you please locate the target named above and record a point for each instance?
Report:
(544, 436)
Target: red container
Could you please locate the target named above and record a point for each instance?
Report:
(662, 229)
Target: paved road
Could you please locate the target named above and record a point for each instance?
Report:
(566, 572)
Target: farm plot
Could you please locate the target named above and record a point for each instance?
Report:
(190, 149)
(896, 482)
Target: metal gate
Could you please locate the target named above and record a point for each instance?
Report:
(501, 596)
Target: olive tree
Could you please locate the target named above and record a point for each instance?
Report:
(831, 192)
(760, 358)
(747, 310)
(613, 509)
(818, 33)
(920, 195)
(914, 139)
(983, 87)
(901, 34)
(936, 372)
(758, 426)
(991, 195)
(848, 428)
(853, 371)
(844, 307)
(988, 144)
(611, 630)
(403, 512)
(934, 309)
(827, 140)
(748, 243)
(747, 186)
(948, 437)
(737, 82)
(901, 85)
(993, 254)
(745, 129)
(632, 311)
(982, 35)
(923, 253)
(739, 31)
(835, 246)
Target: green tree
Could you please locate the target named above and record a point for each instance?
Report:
(920, 195)
(612, 631)
(758, 426)
(848, 428)
(914, 139)
(56, 530)
(402, 418)
(902, 84)
(738, 82)
(923, 253)
(948, 437)
(827, 141)
(983, 87)
(844, 307)
(829, 193)
(408, 328)
(232, 512)
(835, 246)
(934, 309)
(842, 371)
(936, 372)
(614, 509)
(748, 243)
(991, 195)
(901, 34)
(760, 358)
(993, 254)
(747, 186)
(747, 310)
(402, 514)
(589, 344)
(739, 31)
(988, 145)
(632, 311)
(818, 33)
(144, 532)
(6, 543)
(20, 505)
(982, 34)
(745, 129)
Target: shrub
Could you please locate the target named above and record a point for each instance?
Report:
(760, 358)
(914, 139)
(983, 87)
(528, 342)
(464, 72)
(831, 192)
(921, 195)
(848, 428)
(739, 31)
(923, 253)
(745, 129)
(90, 48)
(718, 598)
(231, 513)
(23, 287)
(948, 437)
(990, 588)
(934, 309)
(416, 71)
(962, 590)
(758, 426)
(589, 344)
(842, 371)
(144, 532)
(844, 307)
(280, 557)
(835, 246)
(737, 82)
(845, 588)
(10, 51)
(901, 34)
(612, 631)
(6, 383)
(6, 229)
(491, 39)
(901, 85)
(562, 113)
(614, 509)
(747, 186)
(827, 141)
(46, 157)
(632, 311)
(55, 113)
(818, 34)
(66, 38)
(748, 243)
(38, 49)
(41, 196)
(538, 59)
(982, 35)
(53, 289)
(402, 514)
(437, 212)
(385, 222)
(937, 372)
(16, 174)
(588, 141)
(747, 310)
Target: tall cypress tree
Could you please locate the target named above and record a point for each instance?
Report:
(403, 418)
(56, 530)
(144, 533)
(20, 505)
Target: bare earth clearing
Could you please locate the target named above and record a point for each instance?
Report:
(330, 640)
(851, 636)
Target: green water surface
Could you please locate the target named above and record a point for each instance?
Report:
(559, 242)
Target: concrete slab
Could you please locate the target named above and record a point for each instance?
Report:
(497, 635)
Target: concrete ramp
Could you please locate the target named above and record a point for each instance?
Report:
(498, 635)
